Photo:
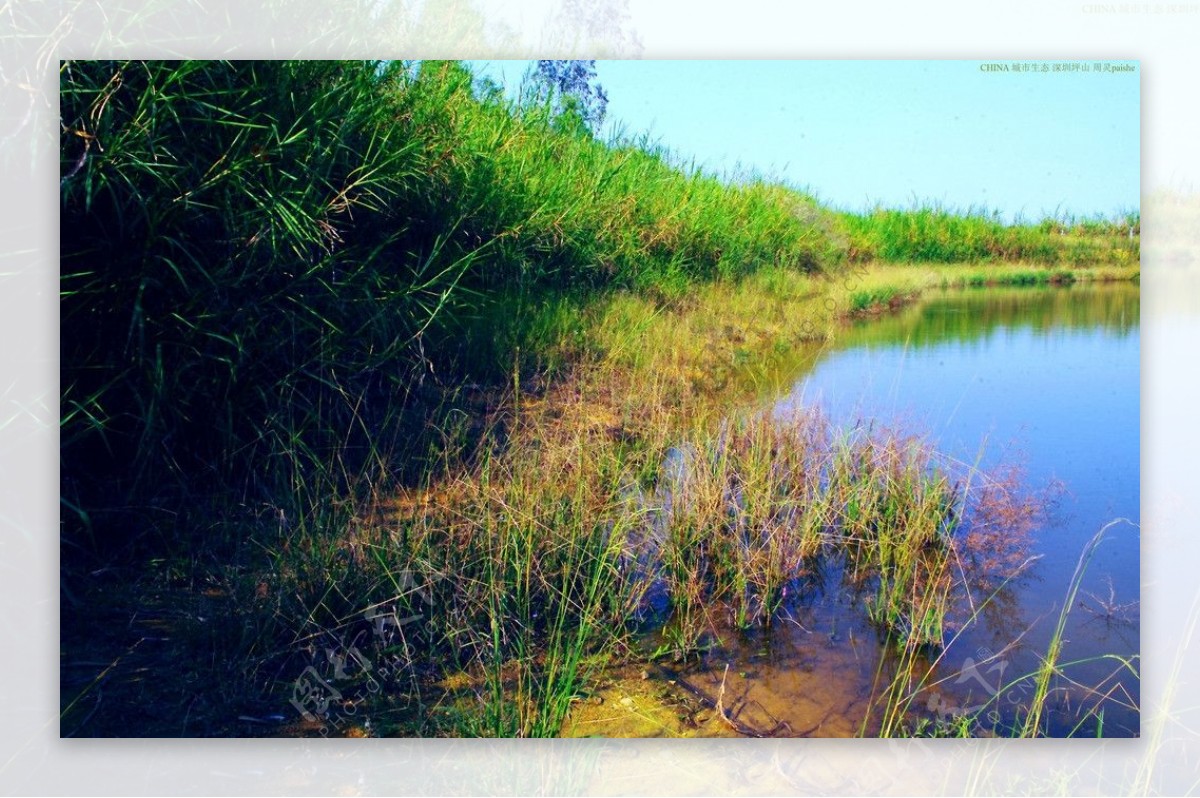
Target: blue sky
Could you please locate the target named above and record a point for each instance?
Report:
(857, 133)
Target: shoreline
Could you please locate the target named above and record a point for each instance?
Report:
(651, 376)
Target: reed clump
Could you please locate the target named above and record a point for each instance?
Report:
(542, 561)
(764, 500)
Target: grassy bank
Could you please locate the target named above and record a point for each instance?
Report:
(426, 396)
(490, 596)
(300, 241)
(932, 234)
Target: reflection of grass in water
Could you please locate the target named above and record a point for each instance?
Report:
(534, 557)
(763, 501)
(538, 559)
(1108, 609)
(1051, 666)
(972, 314)
(899, 696)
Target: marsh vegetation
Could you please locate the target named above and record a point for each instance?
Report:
(390, 405)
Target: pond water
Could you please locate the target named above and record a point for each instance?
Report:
(1042, 378)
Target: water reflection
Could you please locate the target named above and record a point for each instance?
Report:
(1044, 379)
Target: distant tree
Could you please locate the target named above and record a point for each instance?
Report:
(576, 99)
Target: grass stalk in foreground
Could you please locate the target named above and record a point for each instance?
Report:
(1032, 725)
(898, 719)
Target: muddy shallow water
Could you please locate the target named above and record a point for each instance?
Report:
(1045, 379)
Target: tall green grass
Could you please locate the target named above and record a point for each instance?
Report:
(267, 262)
(934, 234)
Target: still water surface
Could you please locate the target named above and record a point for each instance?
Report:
(1043, 378)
